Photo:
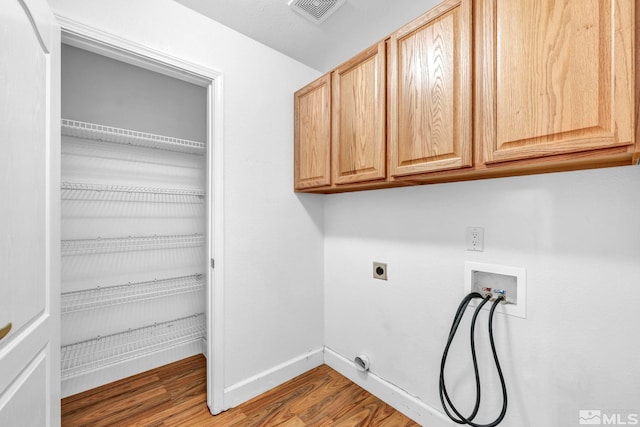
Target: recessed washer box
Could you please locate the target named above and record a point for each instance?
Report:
(512, 280)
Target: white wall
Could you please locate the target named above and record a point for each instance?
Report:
(97, 89)
(578, 236)
(273, 238)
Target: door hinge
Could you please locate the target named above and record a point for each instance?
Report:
(213, 263)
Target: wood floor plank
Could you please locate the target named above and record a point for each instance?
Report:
(329, 388)
(362, 414)
(338, 404)
(396, 420)
(110, 412)
(292, 422)
(175, 396)
(111, 391)
(174, 412)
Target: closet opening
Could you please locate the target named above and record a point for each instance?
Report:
(141, 212)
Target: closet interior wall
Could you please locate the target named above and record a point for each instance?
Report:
(133, 220)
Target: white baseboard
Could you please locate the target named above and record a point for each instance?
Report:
(265, 381)
(394, 396)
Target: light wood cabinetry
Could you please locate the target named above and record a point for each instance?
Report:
(480, 89)
(340, 126)
(429, 79)
(358, 111)
(554, 77)
(312, 140)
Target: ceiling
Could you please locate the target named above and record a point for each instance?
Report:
(353, 27)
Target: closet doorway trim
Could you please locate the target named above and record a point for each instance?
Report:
(80, 35)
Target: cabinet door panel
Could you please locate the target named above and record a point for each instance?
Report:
(430, 92)
(557, 77)
(359, 139)
(312, 141)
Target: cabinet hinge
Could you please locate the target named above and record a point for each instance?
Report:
(213, 263)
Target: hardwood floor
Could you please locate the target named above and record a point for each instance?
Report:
(175, 395)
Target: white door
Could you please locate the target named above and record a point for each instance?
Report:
(29, 214)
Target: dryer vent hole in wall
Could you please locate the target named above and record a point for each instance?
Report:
(361, 363)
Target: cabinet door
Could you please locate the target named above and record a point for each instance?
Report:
(359, 139)
(554, 76)
(430, 91)
(312, 141)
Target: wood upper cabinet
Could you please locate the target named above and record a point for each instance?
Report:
(312, 134)
(477, 89)
(358, 111)
(554, 77)
(429, 104)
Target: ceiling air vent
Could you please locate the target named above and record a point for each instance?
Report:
(315, 10)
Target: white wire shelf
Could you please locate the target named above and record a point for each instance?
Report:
(90, 355)
(106, 192)
(98, 297)
(96, 132)
(125, 244)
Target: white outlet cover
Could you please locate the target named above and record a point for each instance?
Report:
(476, 244)
(520, 308)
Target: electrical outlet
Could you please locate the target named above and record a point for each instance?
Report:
(475, 239)
(380, 270)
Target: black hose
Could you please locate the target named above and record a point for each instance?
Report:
(454, 327)
(442, 387)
